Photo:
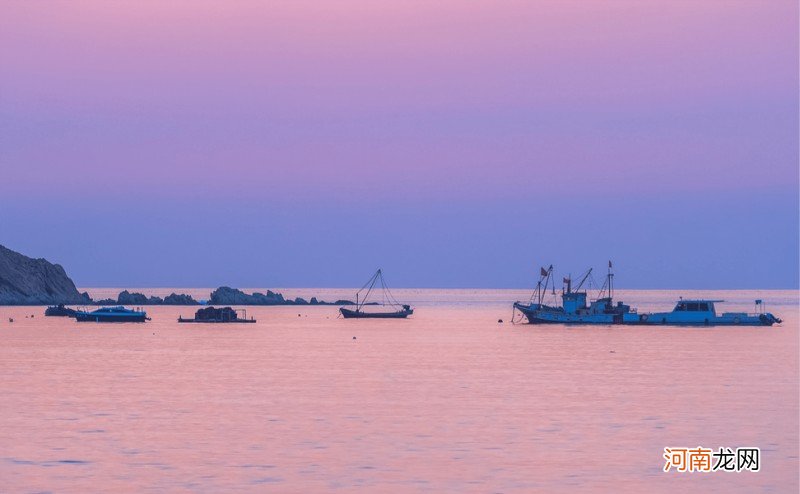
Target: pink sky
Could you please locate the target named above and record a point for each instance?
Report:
(457, 97)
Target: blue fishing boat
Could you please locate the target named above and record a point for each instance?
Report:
(574, 308)
(112, 314)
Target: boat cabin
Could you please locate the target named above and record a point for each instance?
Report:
(573, 302)
(696, 306)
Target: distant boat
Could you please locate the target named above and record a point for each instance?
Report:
(574, 308)
(112, 314)
(703, 313)
(221, 315)
(60, 311)
(401, 311)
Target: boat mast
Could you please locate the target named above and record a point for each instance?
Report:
(542, 289)
(583, 280)
(610, 281)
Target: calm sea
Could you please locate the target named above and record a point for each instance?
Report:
(448, 400)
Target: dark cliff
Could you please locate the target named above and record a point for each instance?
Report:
(27, 281)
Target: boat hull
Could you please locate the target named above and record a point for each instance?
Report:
(217, 321)
(729, 319)
(89, 317)
(357, 314)
(548, 315)
(551, 315)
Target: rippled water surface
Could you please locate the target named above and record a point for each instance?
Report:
(448, 400)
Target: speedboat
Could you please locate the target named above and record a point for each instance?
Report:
(702, 312)
(112, 314)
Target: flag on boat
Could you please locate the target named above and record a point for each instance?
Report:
(609, 264)
(566, 280)
(544, 272)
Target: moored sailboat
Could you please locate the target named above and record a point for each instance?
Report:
(401, 311)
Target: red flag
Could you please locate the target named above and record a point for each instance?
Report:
(544, 272)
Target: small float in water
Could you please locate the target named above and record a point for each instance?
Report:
(59, 310)
(401, 311)
(219, 315)
(112, 314)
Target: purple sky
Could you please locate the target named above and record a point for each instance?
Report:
(453, 143)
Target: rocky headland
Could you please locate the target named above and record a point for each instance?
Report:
(28, 281)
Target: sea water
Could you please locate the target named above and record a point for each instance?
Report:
(447, 400)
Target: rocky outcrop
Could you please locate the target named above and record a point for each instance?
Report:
(127, 298)
(27, 281)
(180, 299)
(225, 295)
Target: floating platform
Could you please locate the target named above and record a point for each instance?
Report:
(215, 315)
(60, 311)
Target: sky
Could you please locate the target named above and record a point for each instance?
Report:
(454, 144)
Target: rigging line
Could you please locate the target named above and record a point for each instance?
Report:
(373, 280)
(388, 293)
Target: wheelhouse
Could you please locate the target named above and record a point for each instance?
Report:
(696, 306)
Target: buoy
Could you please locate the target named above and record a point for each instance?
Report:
(500, 320)
(354, 337)
(298, 315)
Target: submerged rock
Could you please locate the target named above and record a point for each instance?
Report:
(28, 281)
